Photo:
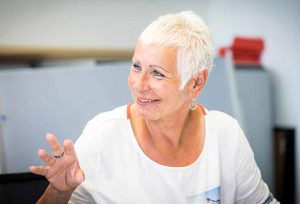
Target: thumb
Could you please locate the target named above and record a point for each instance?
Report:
(80, 177)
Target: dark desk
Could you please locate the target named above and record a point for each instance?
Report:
(21, 188)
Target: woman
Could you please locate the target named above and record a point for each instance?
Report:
(162, 148)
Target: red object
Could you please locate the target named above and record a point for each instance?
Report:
(245, 51)
(222, 51)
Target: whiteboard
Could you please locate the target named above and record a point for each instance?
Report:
(54, 99)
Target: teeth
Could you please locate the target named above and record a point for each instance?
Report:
(146, 100)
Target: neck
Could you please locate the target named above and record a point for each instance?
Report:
(177, 141)
(171, 131)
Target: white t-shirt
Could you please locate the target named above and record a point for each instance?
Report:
(118, 171)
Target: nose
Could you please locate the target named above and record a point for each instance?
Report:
(142, 82)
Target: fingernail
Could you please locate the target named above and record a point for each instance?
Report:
(48, 135)
(39, 151)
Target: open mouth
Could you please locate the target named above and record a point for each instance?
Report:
(143, 101)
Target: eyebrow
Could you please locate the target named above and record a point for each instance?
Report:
(152, 65)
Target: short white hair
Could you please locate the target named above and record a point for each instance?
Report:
(191, 37)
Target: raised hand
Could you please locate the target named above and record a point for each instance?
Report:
(62, 167)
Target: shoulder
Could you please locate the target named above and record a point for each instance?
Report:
(103, 125)
(109, 119)
(100, 133)
(224, 130)
(119, 113)
(221, 120)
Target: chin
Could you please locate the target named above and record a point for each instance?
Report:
(146, 114)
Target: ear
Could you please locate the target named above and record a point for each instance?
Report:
(199, 82)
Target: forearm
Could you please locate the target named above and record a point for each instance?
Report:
(51, 196)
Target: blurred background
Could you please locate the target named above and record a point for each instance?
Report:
(62, 62)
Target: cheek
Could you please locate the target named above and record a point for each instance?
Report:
(157, 84)
(163, 90)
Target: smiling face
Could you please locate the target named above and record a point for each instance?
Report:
(154, 83)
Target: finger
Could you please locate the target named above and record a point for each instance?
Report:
(46, 157)
(40, 170)
(69, 147)
(54, 144)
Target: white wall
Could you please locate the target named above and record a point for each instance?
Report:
(82, 23)
(92, 23)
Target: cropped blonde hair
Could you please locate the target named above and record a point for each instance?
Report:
(190, 35)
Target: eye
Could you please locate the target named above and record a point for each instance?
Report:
(136, 67)
(157, 74)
